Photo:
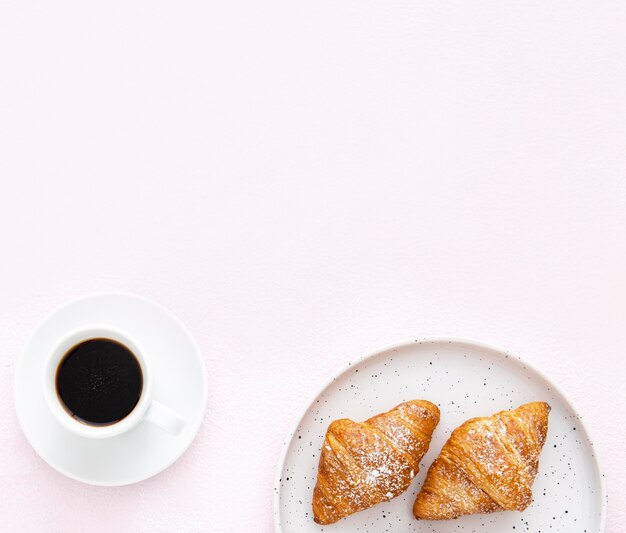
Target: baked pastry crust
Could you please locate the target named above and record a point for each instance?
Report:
(488, 465)
(362, 464)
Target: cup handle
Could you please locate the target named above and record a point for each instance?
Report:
(164, 417)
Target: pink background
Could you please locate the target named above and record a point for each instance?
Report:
(302, 183)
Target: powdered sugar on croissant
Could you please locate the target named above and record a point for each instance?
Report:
(362, 464)
(488, 464)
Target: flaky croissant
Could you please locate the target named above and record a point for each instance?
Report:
(488, 464)
(362, 464)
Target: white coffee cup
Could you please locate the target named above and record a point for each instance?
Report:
(147, 407)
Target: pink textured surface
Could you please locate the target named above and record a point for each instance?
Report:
(300, 184)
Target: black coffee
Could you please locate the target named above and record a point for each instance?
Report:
(99, 381)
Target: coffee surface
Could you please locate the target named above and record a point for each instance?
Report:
(99, 381)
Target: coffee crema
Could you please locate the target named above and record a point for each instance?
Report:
(99, 381)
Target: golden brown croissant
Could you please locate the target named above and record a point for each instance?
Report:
(488, 464)
(365, 464)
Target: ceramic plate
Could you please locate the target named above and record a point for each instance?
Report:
(179, 382)
(466, 379)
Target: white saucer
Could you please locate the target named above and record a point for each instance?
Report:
(179, 382)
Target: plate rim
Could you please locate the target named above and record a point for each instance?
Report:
(402, 344)
(90, 296)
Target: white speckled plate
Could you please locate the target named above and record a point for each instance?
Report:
(466, 379)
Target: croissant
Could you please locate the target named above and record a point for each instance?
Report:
(488, 465)
(362, 464)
